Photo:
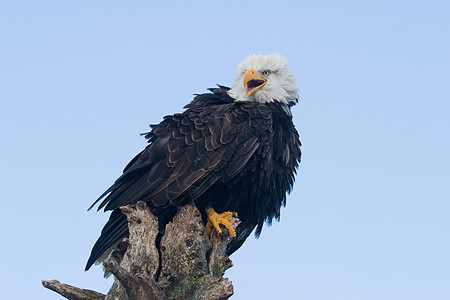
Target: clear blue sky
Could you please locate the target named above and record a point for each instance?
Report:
(369, 215)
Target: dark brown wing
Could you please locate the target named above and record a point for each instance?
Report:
(188, 152)
(209, 145)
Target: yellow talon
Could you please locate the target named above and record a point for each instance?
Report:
(215, 219)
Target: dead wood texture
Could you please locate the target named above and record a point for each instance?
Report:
(188, 264)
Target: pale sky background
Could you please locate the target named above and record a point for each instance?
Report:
(369, 215)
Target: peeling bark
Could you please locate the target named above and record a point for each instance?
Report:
(188, 264)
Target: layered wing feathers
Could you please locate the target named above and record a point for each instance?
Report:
(188, 152)
(215, 140)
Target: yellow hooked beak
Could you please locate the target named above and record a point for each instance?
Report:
(252, 82)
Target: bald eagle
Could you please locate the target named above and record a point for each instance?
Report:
(231, 150)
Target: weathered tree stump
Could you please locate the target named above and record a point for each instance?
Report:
(188, 264)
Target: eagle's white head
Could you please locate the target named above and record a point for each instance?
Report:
(265, 78)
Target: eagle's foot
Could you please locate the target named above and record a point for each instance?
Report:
(215, 220)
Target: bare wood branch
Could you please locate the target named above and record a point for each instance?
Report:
(187, 264)
(186, 240)
(71, 292)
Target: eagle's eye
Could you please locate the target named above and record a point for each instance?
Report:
(266, 72)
